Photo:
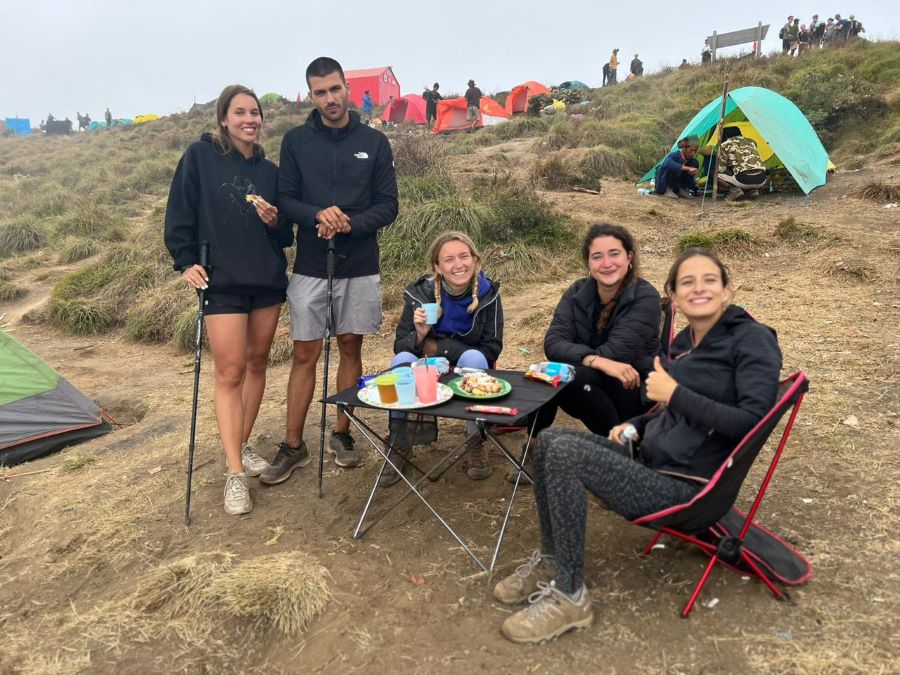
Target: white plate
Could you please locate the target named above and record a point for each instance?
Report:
(369, 396)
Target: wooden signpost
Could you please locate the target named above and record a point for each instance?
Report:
(756, 34)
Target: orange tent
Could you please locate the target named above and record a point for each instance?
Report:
(451, 114)
(517, 101)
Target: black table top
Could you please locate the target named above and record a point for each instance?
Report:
(526, 396)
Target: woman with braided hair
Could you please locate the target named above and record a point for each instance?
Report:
(607, 326)
(469, 329)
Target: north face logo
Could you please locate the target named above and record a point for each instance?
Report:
(361, 155)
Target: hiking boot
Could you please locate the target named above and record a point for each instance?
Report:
(477, 465)
(253, 463)
(237, 494)
(684, 194)
(734, 194)
(398, 456)
(549, 615)
(513, 473)
(286, 460)
(520, 584)
(341, 446)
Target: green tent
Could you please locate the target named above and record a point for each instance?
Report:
(788, 139)
(40, 411)
(270, 98)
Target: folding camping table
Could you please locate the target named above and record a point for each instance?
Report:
(526, 396)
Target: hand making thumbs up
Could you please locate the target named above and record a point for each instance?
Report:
(660, 385)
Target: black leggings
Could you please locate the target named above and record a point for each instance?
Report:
(598, 400)
(565, 463)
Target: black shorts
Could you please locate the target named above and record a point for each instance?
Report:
(226, 303)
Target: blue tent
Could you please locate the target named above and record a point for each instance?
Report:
(778, 122)
(20, 126)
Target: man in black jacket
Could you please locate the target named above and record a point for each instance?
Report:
(336, 181)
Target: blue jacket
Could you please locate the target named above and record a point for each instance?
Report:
(674, 161)
(367, 103)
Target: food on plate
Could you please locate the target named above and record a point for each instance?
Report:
(480, 384)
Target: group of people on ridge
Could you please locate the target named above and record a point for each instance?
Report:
(335, 182)
(798, 37)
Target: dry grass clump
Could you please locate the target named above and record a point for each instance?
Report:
(74, 460)
(184, 332)
(552, 172)
(20, 237)
(602, 162)
(74, 250)
(850, 268)
(153, 317)
(729, 241)
(79, 317)
(10, 291)
(282, 349)
(790, 230)
(416, 154)
(94, 221)
(883, 193)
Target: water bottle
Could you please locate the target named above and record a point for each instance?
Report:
(628, 434)
(645, 192)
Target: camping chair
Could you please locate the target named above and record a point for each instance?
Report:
(728, 536)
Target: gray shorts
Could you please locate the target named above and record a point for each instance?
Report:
(356, 305)
(472, 112)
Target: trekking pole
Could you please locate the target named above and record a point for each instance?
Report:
(329, 263)
(714, 155)
(198, 346)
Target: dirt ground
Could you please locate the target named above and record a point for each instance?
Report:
(75, 545)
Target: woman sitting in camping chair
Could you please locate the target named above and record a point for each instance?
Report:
(718, 380)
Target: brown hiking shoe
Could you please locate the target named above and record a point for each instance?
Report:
(524, 581)
(476, 464)
(398, 456)
(549, 615)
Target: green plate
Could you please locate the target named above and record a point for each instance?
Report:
(505, 388)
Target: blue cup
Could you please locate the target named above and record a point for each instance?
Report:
(405, 385)
(431, 312)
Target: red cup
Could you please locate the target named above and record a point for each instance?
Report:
(426, 383)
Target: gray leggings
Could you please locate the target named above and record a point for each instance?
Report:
(568, 461)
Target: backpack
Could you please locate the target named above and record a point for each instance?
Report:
(781, 34)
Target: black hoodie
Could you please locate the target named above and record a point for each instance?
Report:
(726, 385)
(208, 202)
(351, 168)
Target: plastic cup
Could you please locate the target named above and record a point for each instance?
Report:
(431, 312)
(426, 383)
(405, 386)
(387, 388)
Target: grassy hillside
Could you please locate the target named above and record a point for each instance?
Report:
(89, 208)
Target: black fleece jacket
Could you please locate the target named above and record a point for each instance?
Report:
(630, 335)
(351, 168)
(207, 202)
(486, 334)
(726, 385)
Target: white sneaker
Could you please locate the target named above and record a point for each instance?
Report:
(237, 494)
(253, 463)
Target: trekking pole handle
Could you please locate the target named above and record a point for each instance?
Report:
(204, 254)
(329, 262)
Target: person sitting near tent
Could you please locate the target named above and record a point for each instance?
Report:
(223, 192)
(715, 383)
(431, 96)
(367, 106)
(741, 170)
(676, 174)
(468, 332)
(637, 66)
(473, 105)
(606, 325)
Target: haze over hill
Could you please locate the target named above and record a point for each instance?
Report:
(67, 58)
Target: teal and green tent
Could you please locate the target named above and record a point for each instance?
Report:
(784, 136)
(40, 411)
(270, 98)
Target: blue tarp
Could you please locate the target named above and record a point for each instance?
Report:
(21, 126)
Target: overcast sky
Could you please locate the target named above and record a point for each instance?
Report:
(160, 56)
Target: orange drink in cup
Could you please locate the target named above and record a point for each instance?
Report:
(387, 389)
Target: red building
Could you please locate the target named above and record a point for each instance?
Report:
(380, 83)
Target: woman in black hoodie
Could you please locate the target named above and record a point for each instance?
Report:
(605, 325)
(223, 193)
(718, 380)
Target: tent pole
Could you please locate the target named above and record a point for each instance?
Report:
(714, 163)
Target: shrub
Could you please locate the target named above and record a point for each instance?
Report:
(601, 162)
(728, 241)
(521, 127)
(878, 192)
(416, 154)
(552, 172)
(828, 95)
(95, 221)
(790, 230)
(520, 214)
(153, 317)
(426, 187)
(77, 249)
(20, 237)
(84, 281)
(79, 317)
(10, 291)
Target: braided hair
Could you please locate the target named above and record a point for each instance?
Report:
(434, 252)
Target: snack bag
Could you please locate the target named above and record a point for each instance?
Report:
(551, 372)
